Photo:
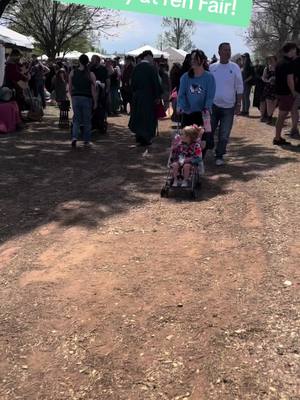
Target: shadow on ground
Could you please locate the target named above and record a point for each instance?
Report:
(43, 180)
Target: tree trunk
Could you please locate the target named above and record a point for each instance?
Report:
(3, 5)
(178, 33)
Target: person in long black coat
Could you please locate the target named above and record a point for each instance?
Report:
(259, 87)
(146, 93)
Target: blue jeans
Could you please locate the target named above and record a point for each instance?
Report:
(82, 109)
(222, 117)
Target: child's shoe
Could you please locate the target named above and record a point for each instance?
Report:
(185, 183)
(175, 183)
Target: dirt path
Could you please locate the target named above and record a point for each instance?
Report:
(108, 292)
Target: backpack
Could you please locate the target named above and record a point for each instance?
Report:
(6, 94)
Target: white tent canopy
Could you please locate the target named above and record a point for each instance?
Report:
(90, 54)
(74, 55)
(8, 36)
(156, 53)
(235, 57)
(175, 55)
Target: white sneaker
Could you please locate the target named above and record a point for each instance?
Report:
(146, 153)
(185, 183)
(175, 183)
(219, 162)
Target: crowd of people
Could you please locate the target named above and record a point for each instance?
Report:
(142, 86)
(223, 88)
(276, 83)
(51, 79)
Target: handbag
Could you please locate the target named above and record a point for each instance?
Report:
(35, 112)
(160, 111)
(174, 94)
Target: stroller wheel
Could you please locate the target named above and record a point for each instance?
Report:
(193, 195)
(199, 184)
(164, 192)
(104, 130)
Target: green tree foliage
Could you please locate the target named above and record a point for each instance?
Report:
(55, 26)
(80, 43)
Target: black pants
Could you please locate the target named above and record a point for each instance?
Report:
(126, 97)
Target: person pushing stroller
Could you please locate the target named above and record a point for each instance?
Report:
(186, 154)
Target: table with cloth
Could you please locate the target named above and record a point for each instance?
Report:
(9, 116)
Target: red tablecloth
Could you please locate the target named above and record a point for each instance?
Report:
(9, 117)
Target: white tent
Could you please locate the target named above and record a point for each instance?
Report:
(236, 57)
(8, 36)
(90, 54)
(175, 55)
(43, 57)
(156, 53)
(72, 55)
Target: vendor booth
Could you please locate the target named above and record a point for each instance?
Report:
(9, 111)
(175, 55)
(12, 39)
(156, 53)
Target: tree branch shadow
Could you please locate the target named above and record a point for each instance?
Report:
(43, 180)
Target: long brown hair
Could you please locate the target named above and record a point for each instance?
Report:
(201, 57)
(59, 72)
(84, 61)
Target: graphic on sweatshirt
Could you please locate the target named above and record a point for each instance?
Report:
(196, 89)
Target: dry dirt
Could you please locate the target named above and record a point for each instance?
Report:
(108, 292)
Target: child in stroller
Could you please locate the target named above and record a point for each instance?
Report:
(185, 160)
(187, 152)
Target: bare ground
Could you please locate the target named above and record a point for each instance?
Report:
(109, 292)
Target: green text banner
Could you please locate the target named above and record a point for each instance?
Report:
(231, 12)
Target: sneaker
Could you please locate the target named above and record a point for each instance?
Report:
(175, 183)
(74, 143)
(295, 134)
(280, 142)
(219, 162)
(185, 183)
(87, 145)
(146, 153)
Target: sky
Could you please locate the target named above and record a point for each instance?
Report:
(141, 29)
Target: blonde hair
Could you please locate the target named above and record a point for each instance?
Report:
(193, 132)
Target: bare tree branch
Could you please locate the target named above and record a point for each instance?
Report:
(179, 32)
(273, 23)
(53, 24)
